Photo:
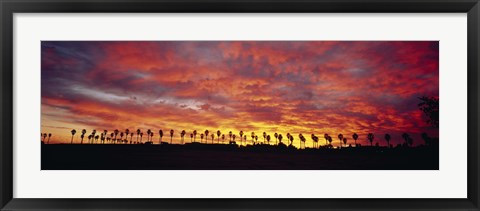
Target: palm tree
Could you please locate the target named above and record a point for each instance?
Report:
(264, 136)
(276, 138)
(49, 135)
(291, 140)
(96, 138)
(280, 137)
(345, 141)
(340, 136)
(256, 138)
(223, 138)
(212, 136)
(233, 139)
(355, 137)
(191, 137)
(116, 133)
(206, 136)
(387, 138)
(408, 140)
(241, 136)
(230, 134)
(182, 134)
(288, 136)
(131, 136)
(253, 138)
(127, 131)
(160, 133)
(141, 137)
(83, 135)
(138, 134)
(370, 137)
(326, 138)
(89, 137)
(329, 141)
(218, 135)
(93, 134)
(268, 139)
(148, 135)
(315, 141)
(201, 138)
(194, 136)
(111, 135)
(121, 135)
(302, 139)
(171, 135)
(73, 133)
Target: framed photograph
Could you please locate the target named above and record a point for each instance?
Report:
(258, 105)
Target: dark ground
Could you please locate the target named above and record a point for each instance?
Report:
(230, 157)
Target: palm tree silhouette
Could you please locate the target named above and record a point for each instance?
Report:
(268, 139)
(191, 137)
(182, 134)
(245, 139)
(280, 137)
(408, 140)
(355, 137)
(345, 141)
(230, 134)
(148, 135)
(93, 134)
(233, 139)
(127, 131)
(131, 136)
(160, 133)
(201, 138)
(194, 136)
(49, 135)
(302, 139)
(121, 136)
(171, 135)
(264, 136)
(326, 138)
(206, 136)
(96, 138)
(212, 136)
(256, 138)
(340, 137)
(73, 133)
(387, 138)
(111, 135)
(223, 138)
(116, 133)
(83, 135)
(218, 135)
(330, 141)
(253, 138)
(138, 134)
(291, 140)
(315, 141)
(241, 136)
(276, 138)
(370, 137)
(141, 137)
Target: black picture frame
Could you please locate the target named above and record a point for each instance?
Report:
(9, 7)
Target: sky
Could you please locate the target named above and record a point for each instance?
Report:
(255, 86)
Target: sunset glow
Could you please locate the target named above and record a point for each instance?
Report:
(252, 86)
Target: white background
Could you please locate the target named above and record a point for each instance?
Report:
(448, 182)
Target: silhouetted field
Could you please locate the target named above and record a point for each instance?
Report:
(230, 157)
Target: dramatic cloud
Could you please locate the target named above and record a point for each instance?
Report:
(297, 87)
